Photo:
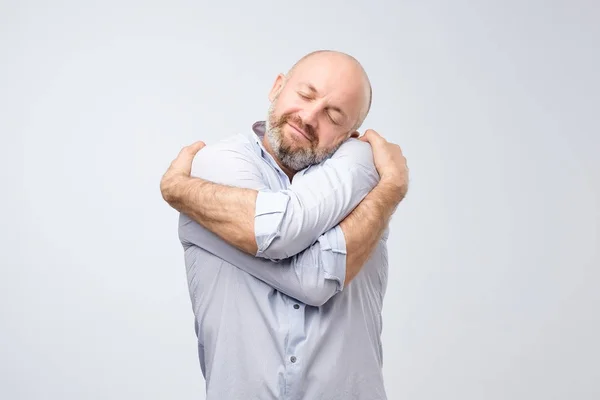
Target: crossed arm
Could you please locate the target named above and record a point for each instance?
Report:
(322, 228)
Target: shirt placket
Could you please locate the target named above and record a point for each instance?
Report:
(294, 360)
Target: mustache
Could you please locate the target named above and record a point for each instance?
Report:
(296, 120)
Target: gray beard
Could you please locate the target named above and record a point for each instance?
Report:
(295, 159)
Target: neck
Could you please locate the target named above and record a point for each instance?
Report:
(290, 173)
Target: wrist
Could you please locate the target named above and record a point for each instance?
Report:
(171, 188)
(394, 187)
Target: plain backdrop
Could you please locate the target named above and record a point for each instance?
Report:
(494, 257)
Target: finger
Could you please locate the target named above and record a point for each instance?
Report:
(189, 151)
(186, 155)
(372, 137)
(366, 136)
(195, 147)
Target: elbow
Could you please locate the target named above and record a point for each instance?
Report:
(318, 295)
(275, 251)
(282, 245)
(277, 246)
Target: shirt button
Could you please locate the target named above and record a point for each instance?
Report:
(296, 306)
(293, 359)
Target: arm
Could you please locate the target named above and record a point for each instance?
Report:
(278, 225)
(302, 277)
(361, 229)
(312, 276)
(305, 276)
(364, 227)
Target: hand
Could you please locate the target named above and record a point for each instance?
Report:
(389, 160)
(181, 167)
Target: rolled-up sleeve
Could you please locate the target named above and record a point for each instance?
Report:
(333, 254)
(325, 259)
(270, 209)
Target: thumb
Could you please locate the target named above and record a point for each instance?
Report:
(187, 154)
(369, 136)
(195, 147)
(190, 150)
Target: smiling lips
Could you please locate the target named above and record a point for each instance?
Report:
(299, 131)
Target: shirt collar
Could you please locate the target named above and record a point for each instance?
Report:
(256, 139)
(259, 128)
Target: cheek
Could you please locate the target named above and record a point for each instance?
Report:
(288, 105)
(329, 139)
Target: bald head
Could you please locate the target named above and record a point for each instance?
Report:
(343, 61)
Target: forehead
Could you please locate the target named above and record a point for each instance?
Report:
(339, 80)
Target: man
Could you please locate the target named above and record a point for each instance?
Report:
(276, 226)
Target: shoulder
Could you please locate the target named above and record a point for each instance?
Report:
(354, 153)
(352, 163)
(226, 160)
(231, 145)
(235, 148)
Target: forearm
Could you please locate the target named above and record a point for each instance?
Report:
(312, 276)
(226, 211)
(364, 226)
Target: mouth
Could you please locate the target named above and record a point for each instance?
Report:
(299, 131)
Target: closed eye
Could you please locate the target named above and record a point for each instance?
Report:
(331, 119)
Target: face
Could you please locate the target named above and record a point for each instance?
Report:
(314, 111)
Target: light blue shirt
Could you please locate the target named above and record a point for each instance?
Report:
(281, 324)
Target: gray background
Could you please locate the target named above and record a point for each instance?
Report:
(494, 275)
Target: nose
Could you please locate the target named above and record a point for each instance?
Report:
(310, 114)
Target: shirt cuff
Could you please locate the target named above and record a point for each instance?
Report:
(268, 215)
(333, 253)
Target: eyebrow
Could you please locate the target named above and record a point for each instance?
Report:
(315, 91)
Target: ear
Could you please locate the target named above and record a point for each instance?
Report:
(277, 86)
